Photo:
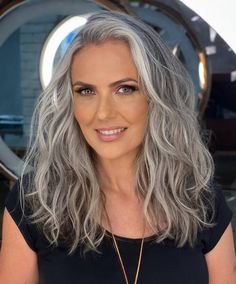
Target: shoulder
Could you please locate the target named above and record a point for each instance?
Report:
(19, 211)
(219, 216)
(18, 255)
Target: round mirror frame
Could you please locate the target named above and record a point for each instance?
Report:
(16, 13)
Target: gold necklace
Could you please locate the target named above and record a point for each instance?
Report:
(119, 255)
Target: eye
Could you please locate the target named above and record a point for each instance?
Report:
(126, 89)
(84, 91)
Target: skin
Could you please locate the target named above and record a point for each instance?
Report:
(107, 103)
(107, 107)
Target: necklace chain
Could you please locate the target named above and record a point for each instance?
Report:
(119, 255)
(122, 264)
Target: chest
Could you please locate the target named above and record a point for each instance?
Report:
(161, 264)
(124, 217)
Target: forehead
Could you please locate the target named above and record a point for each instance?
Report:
(110, 57)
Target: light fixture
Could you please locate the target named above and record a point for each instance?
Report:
(54, 40)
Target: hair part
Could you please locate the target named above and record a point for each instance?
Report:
(174, 167)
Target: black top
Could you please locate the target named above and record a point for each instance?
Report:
(162, 263)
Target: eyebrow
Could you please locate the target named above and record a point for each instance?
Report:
(80, 83)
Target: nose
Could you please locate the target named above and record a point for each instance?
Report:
(106, 108)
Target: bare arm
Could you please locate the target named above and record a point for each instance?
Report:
(18, 262)
(221, 260)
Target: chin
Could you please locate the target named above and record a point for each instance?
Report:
(115, 154)
(109, 155)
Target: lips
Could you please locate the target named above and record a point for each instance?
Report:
(111, 128)
(110, 134)
(111, 131)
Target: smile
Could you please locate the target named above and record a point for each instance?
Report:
(111, 134)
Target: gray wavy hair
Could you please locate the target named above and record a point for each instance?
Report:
(174, 168)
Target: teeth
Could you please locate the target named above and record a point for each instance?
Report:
(110, 132)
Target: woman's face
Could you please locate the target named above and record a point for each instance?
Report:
(108, 103)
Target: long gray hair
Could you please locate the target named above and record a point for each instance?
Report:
(174, 168)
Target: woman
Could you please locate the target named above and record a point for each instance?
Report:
(121, 188)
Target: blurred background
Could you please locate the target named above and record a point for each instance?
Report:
(34, 34)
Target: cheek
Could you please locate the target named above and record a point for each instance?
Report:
(82, 115)
(137, 114)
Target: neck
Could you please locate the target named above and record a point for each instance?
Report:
(117, 176)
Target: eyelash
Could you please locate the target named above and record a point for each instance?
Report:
(132, 88)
